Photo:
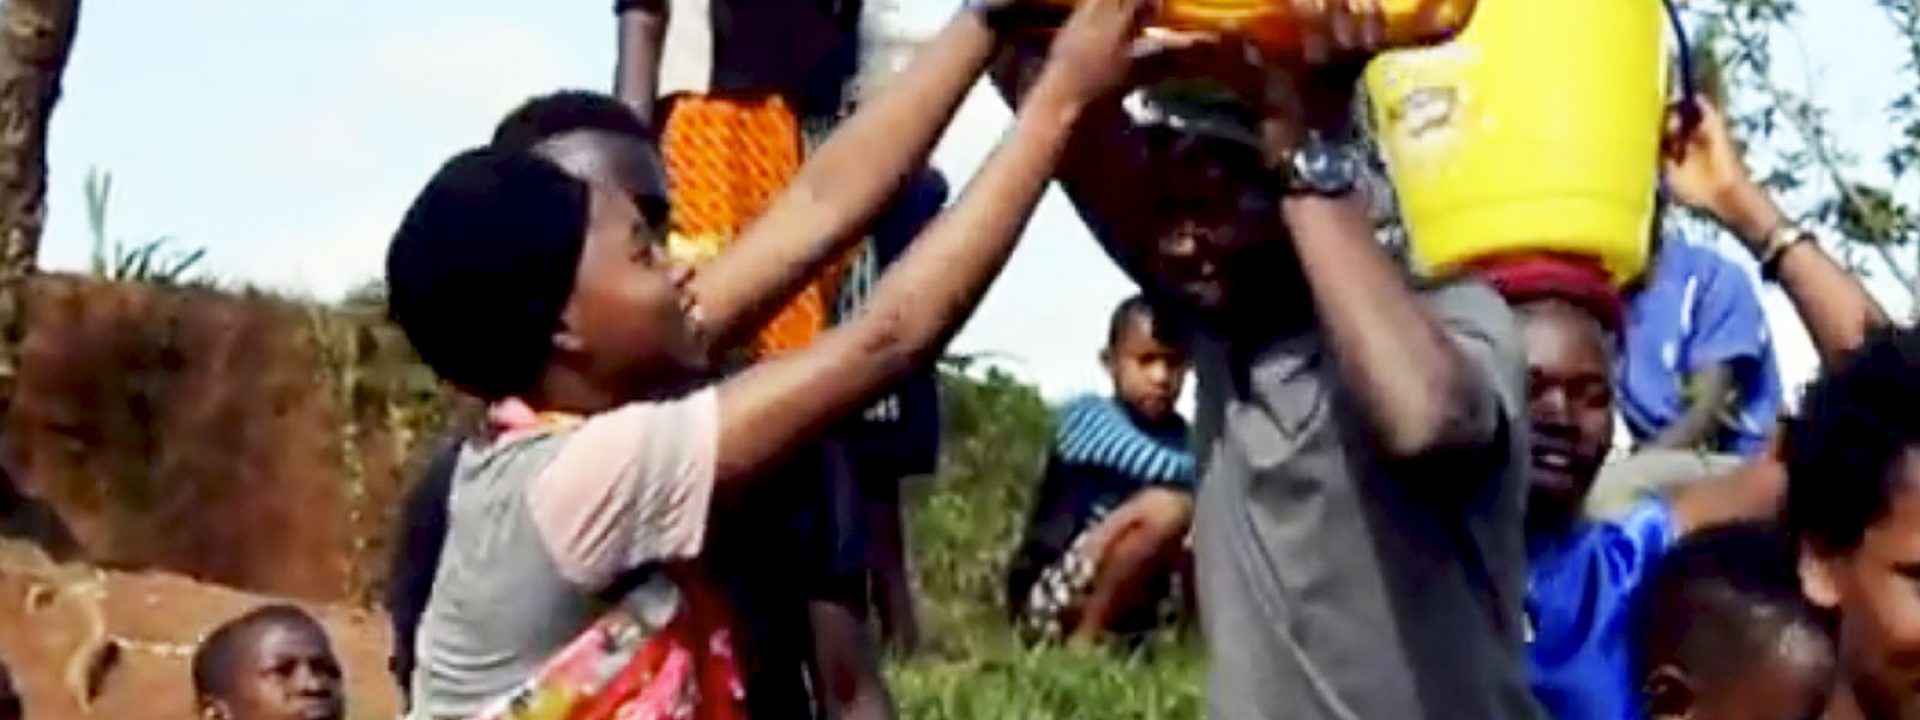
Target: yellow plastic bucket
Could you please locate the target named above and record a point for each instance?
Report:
(1537, 130)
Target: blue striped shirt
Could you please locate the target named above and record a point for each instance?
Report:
(1096, 431)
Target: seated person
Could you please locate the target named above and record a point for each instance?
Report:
(273, 663)
(1109, 524)
(536, 280)
(1697, 371)
(1724, 633)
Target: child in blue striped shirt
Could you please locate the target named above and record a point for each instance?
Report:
(1106, 547)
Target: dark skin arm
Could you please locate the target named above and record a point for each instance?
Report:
(1371, 318)
(1374, 323)
(1102, 148)
(922, 300)
(637, 68)
(842, 187)
(1706, 172)
(1711, 392)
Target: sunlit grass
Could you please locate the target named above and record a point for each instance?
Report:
(964, 525)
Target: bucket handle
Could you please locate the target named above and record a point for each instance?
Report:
(1689, 93)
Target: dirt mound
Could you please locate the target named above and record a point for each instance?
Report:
(51, 615)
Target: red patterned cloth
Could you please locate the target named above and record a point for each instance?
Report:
(1574, 279)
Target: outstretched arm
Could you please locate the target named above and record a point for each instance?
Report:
(842, 187)
(636, 72)
(1413, 376)
(922, 300)
(1705, 172)
(1105, 145)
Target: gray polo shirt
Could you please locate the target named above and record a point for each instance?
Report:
(1334, 584)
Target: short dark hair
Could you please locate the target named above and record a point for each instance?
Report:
(1843, 451)
(483, 265)
(566, 111)
(214, 662)
(1124, 314)
(1721, 597)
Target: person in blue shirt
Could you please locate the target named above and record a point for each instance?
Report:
(1585, 572)
(1106, 543)
(1698, 371)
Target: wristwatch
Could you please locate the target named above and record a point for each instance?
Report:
(1318, 166)
(1778, 242)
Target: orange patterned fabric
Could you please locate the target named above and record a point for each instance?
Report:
(727, 158)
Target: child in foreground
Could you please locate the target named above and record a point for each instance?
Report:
(1727, 634)
(536, 280)
(273, 663)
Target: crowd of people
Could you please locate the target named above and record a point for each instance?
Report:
(703, 311)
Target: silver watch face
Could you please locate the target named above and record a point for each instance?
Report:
(1325, 168)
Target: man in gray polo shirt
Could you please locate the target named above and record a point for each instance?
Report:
(1359, 523)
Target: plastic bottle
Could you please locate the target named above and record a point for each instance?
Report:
(1270, 22)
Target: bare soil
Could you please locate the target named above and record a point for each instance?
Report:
(50, 614)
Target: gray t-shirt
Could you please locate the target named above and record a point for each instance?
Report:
(542, 519)
(1335, 584)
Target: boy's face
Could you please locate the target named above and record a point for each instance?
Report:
(1147, 373)
(1876, 590)
(1570, 402)
(629, 320)
(287, 672)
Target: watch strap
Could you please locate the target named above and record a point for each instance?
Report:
(1778, 242)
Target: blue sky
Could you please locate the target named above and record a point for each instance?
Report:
(286, 138)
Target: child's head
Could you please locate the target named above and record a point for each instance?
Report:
(1147, 367)
(1570, 356)
(1853, 468)
(273, 663)
(1726, 634)
(539, 272)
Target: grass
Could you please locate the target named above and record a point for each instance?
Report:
(963, 526)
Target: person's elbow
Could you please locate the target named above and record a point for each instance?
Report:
(888, 341)
(1455, 411)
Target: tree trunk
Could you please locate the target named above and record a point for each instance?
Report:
(35, 37)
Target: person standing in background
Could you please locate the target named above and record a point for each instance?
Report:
(896, 438)
(1698, 369)
(729, 85)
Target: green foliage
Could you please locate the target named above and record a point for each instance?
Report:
(963, 527)
(1805, 160)
(154, 261)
